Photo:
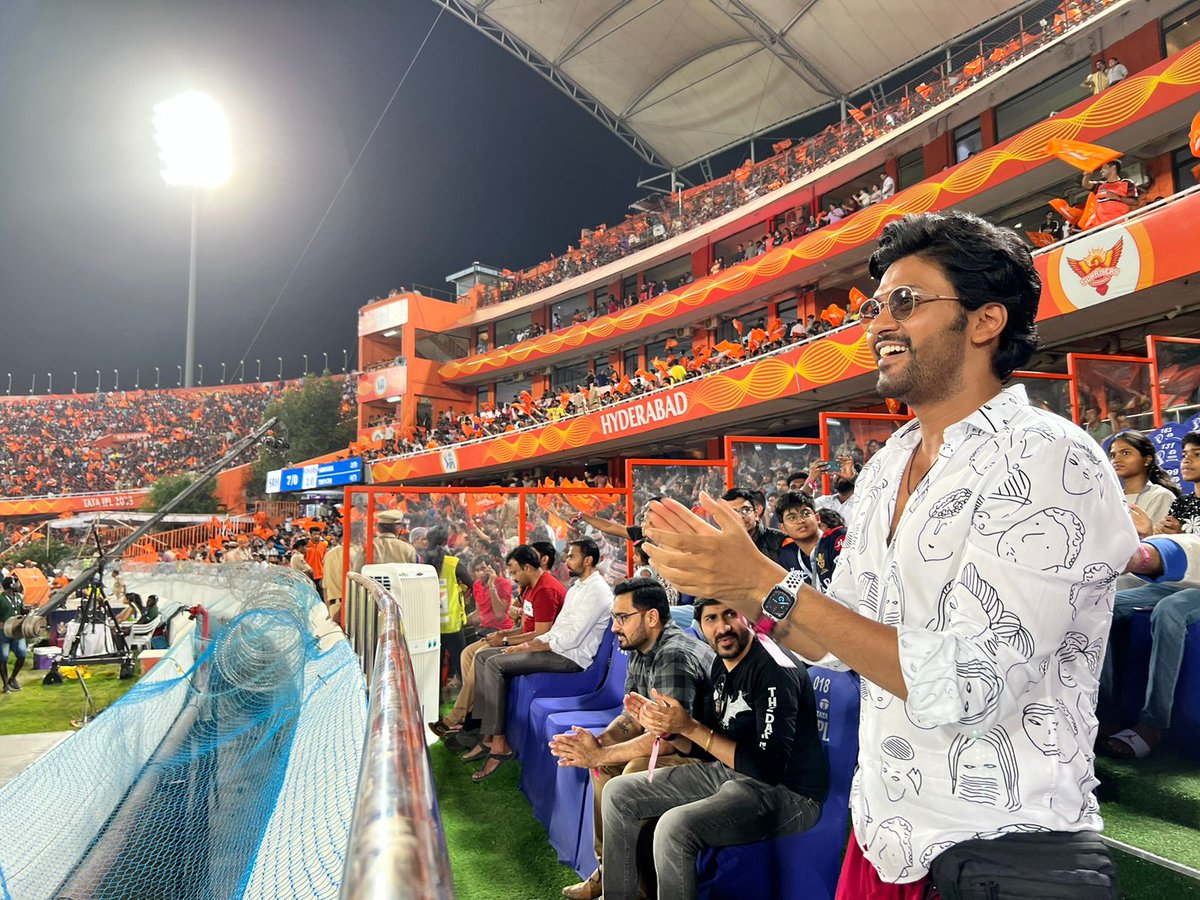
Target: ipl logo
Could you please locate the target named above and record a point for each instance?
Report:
(1099, 267)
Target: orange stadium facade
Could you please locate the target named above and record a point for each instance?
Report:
(470, 372)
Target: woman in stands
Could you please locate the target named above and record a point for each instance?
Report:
(1147, 486)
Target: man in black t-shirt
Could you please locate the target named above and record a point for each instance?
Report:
(763, 772)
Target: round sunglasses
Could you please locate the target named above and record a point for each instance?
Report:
(900, 303)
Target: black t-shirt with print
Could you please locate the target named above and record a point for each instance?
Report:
(767, 707)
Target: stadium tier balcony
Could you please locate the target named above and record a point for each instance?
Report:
(1010, 182)
(783, 378)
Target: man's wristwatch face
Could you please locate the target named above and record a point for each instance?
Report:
(778, 604)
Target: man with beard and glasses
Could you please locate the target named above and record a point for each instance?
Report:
(975, 580)
(569, 645)
(762, 771)
(663, 658)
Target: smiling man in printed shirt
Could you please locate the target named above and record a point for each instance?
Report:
(963, 627)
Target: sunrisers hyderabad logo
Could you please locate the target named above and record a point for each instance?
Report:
(1096, 269)
(1099, 267)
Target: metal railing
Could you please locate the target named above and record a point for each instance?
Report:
(397, 846)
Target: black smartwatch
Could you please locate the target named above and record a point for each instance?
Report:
(779, 602)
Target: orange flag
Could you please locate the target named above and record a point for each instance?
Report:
(1194, 135)
(834, 315)
(974, 67)
(671, 343)
(1040, 238)
(1066, 210)
(1081, 155)
(738, 326)
(857, 299)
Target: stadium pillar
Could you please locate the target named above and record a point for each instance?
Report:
(189, 353)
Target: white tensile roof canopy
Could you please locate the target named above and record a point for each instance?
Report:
(680, 80)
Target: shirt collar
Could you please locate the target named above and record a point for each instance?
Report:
(990, 418)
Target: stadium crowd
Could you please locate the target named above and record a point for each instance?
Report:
(120, 440)
(791, 160)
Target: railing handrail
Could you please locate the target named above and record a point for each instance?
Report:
(397, 847)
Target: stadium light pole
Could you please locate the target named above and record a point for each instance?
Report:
(193, 141)
(9, 391)
(258, 374)
(200, 366)
(97, 381)
(74, 382)
(156, 378)
(325, 367)
(116, 380)
(222, 373)
(179, 383)
(280, 358)
(345, 359)
(305, 355)
(137, 379)
(49, 382)
(33, 383)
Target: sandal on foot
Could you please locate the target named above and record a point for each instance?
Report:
(485, 772)
(441, 729)
(1127, 744)
(473, 756)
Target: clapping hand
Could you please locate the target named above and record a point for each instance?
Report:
(695, 556)
(577, 747)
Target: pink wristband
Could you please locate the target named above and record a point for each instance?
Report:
(1145, 556)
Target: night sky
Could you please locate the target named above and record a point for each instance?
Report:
(478, 159)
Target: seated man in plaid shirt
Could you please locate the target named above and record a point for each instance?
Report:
(663, 657)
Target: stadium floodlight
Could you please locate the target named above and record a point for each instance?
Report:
(325, 366)
(97, 381)
(222, 373)
(280, 358)
(74, 382)
(201, 367)
(305, 355)
(156, 377)
(9, 391)
(192, 134)
(258, 375)
(345, 359)
(49, 382)
(179, 383)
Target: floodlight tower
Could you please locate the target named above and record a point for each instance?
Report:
(193, 141)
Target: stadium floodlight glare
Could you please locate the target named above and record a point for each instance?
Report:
(192, 134)
(193, 141)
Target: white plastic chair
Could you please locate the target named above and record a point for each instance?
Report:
(141, 635)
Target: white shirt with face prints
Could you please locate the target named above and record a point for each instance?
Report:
(999, 580)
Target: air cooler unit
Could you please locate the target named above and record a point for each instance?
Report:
(415, 588)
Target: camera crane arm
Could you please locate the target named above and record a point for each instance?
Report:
(35, 624)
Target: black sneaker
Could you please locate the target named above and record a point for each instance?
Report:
(14, 685)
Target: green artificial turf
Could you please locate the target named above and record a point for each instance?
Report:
(1163, 785)
(38, 707)
(1140, 880)
(497, 848)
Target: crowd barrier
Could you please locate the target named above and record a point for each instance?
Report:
(397, 845)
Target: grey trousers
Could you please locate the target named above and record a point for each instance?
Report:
(493, 669)
(706, 805)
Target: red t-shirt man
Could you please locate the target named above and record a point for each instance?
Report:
(483, 603)
(542, 602)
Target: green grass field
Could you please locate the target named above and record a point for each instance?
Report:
(37, 707)
(497, 848)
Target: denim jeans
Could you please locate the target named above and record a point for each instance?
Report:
(698, 806)
(1174, 609)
